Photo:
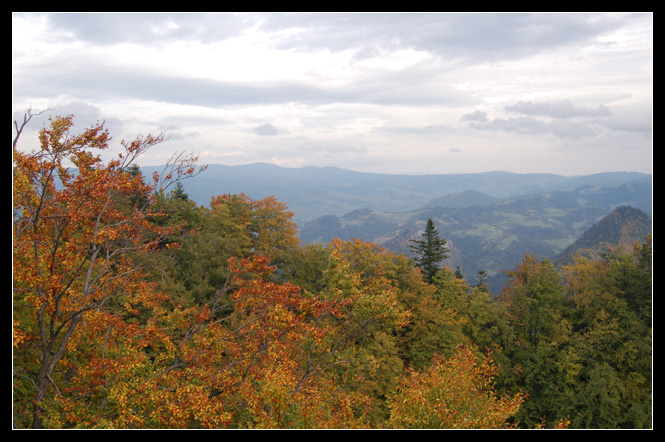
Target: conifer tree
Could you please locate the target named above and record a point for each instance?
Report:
(179, 192)
(430, 251)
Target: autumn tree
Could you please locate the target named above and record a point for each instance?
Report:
(73, 246)
(305, 266)
(430, 251)
(433, 326)
(358, 346)
(267, 222)
(134, 307)
(453, 392)
(233, 226)
(482, 325)
(262, 354)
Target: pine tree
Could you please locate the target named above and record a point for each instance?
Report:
(430, 251)
(179, 192)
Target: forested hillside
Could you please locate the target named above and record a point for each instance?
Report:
(136, 307)
(621, 228)
(488, 234)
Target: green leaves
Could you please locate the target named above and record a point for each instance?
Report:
(577, 343)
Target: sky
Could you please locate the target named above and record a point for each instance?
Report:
(408, 93)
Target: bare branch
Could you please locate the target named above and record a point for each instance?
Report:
(26, 119)
(177, 168)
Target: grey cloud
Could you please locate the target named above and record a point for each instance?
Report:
(635, 119)
(565, 120)
(194, 121)
(102, 82)
(148, 28)
(266, 129)
(560, 109)
(529, 126)
(98, 82)
(571, 129)
(390, 130)
(483, 37)
(475, 116)
(534, 126)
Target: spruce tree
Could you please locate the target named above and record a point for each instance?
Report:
(430, 251)
(179, 192)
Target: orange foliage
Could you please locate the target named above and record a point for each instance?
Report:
(96, 347)
(74, 238)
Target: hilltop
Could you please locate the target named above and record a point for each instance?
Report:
(622, 228)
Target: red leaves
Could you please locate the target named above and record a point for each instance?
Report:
(74, 240)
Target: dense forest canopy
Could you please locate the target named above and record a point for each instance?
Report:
(135, 307)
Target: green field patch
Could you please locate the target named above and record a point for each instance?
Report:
(508, 240)
(484, 230)
(555, 212)
(521, 220)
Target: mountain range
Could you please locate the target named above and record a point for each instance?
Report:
(490, 220)
(311, 192)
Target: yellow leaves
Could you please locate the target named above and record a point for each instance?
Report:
(19, 336)
(453, 392)
(366, 301)
(381, 306)
(265, 224)
(203, 314)
(562, 424)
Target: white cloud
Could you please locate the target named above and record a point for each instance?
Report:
(377, 92)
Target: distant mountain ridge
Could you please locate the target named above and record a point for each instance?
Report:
(622, 228)
(311, 192)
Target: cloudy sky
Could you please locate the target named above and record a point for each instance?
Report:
(398, 93)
